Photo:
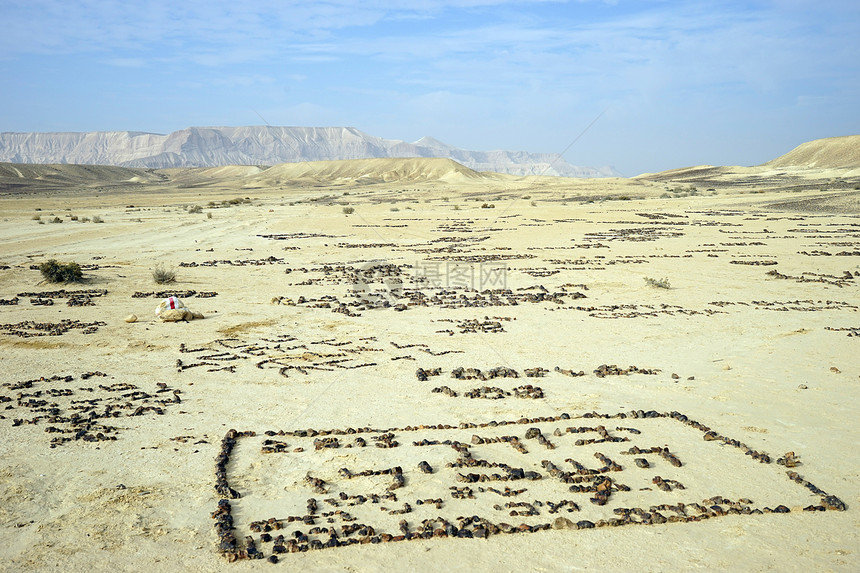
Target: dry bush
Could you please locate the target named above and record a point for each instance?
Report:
(162, 275)
(61, 272)
(658, 283)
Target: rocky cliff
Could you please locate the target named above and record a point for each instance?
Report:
(263, 145)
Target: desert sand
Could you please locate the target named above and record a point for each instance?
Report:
(598, 375)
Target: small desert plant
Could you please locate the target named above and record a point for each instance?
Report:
(97, 219)
(657, 283)
(61, 272)
(534, 203)
(37, 217)
(208, 215)
(162, 275)
(85, 219)
(456, 207)
(395, 209)
(56, 220)
(195, 209)
(348, 210)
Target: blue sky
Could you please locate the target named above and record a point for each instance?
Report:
(678, 83)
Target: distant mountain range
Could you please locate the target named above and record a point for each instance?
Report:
(263, 145)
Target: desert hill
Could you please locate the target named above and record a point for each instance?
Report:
(801, 169)
(263, 145)
(28, 178)
(832, 152)
(406, 170)
(831, 164)
(23, 177)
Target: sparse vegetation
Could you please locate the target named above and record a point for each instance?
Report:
(689, 191)
(488, 206)
(61, 272)
(162, 275)
(209, 215)
(37, 217)
(348, 210)
(658, 283)
(395, 209)
(194, 209)
(97, 219)
(56, 220)
(534, 203)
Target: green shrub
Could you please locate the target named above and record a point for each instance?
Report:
(61, 272)
(348, 210)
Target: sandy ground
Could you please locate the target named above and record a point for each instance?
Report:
(764, 360)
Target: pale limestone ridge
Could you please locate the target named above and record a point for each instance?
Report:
(263, 145)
